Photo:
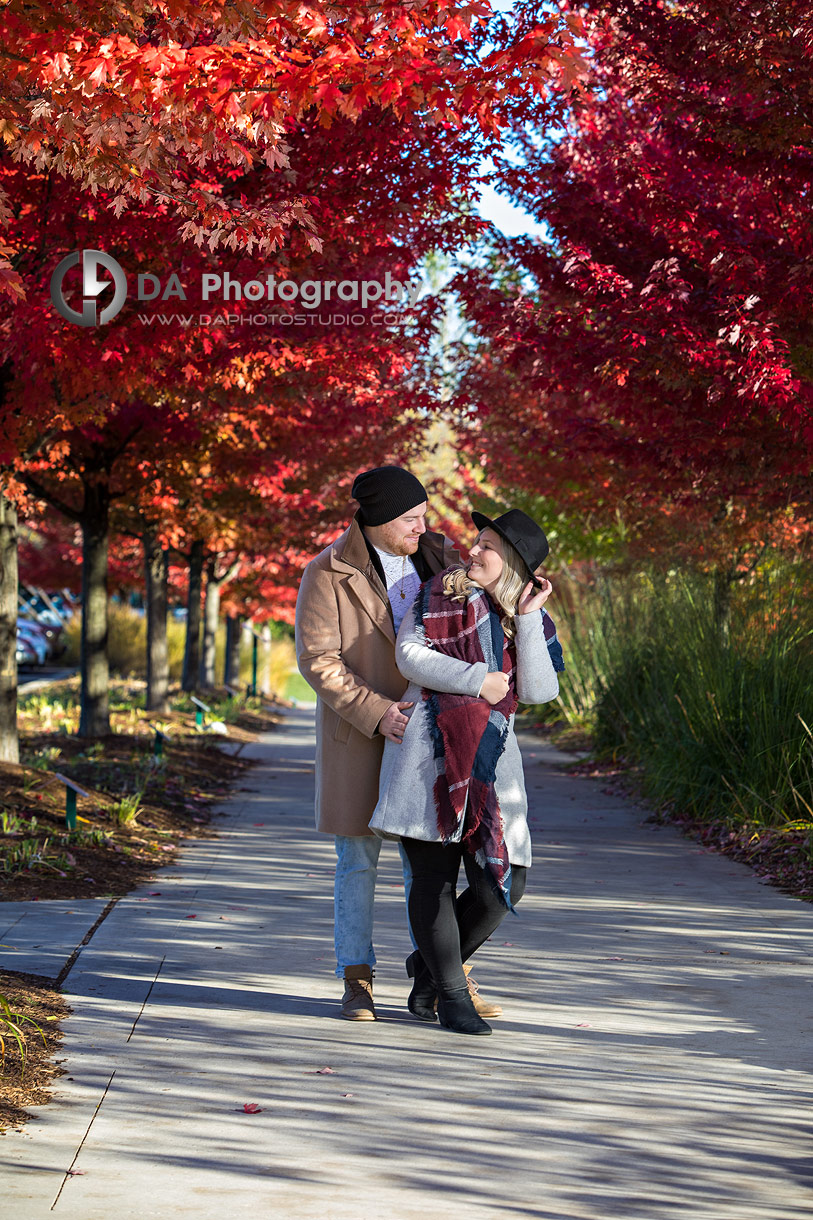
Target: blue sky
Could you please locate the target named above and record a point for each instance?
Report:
(510, 220)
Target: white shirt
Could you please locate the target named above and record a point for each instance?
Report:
(402, 581)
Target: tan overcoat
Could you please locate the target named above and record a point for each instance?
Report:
(345, 648)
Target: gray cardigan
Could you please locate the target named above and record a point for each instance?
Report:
(408, 771)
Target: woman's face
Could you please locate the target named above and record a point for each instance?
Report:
(485, 560)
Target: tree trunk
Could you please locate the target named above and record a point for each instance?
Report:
(9, 743)
(265, 681)
(231, 664)
(211, 617)
(95, 714)
(156, 568)
(721, 603)
(191, 656)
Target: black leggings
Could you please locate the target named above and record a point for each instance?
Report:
(449, 929)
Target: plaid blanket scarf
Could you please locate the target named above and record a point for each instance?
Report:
(469, 734)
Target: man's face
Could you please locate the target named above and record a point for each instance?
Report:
(401, 536)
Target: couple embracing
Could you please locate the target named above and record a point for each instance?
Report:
(418, 662)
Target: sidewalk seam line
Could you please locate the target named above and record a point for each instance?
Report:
(82, 1141)
(146, 997)
(71, 962)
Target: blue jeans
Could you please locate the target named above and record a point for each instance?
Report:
(354, 898)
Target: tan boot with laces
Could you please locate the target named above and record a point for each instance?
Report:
(357, 1001)
(485, 1008)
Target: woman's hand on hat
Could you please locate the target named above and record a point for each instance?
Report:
(533, 599)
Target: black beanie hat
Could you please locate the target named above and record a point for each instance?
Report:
(386, 493)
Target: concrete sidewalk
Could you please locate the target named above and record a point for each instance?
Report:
(653, 1062)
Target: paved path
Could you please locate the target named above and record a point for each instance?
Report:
(37, 679)
(653, 1063)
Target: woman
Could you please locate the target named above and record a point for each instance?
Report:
(475, 642)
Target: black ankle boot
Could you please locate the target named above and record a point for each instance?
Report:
(422, 997)
(456, 1012)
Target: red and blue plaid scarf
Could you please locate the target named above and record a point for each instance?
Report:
(469, 734)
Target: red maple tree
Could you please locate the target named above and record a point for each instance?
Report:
(649, 361)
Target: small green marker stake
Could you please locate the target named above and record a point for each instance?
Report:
(254, 666)
(70, 809)
(158, 745)
(198, 718)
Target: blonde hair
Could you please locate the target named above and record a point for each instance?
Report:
(507, 591)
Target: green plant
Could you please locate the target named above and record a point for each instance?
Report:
(52, 711)
(11, 1023)
(94, 751)
(95, 836)
(10, 824)
(23, 855)
(125, 810)
(44, 759)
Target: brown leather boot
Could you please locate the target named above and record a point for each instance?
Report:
(485, 1008)
(357, 1001)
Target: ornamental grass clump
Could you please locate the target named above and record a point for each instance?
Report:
(716, 714)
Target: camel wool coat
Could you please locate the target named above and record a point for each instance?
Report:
(345, 649)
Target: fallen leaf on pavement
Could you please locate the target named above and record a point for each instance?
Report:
(251, 1107)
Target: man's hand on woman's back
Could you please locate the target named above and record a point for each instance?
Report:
(494, 688)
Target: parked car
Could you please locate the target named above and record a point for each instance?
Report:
(25, 653)
(54, 636)
(34, 636)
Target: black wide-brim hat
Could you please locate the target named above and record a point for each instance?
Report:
(524, 535)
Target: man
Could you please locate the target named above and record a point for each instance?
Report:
(351, 602)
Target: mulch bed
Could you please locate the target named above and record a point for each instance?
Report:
(131, 822)
(27, 1081)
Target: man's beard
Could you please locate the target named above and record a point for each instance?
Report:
(396, 544)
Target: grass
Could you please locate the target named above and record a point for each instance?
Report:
(127, 645)
(297, 688)
(717, 721)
